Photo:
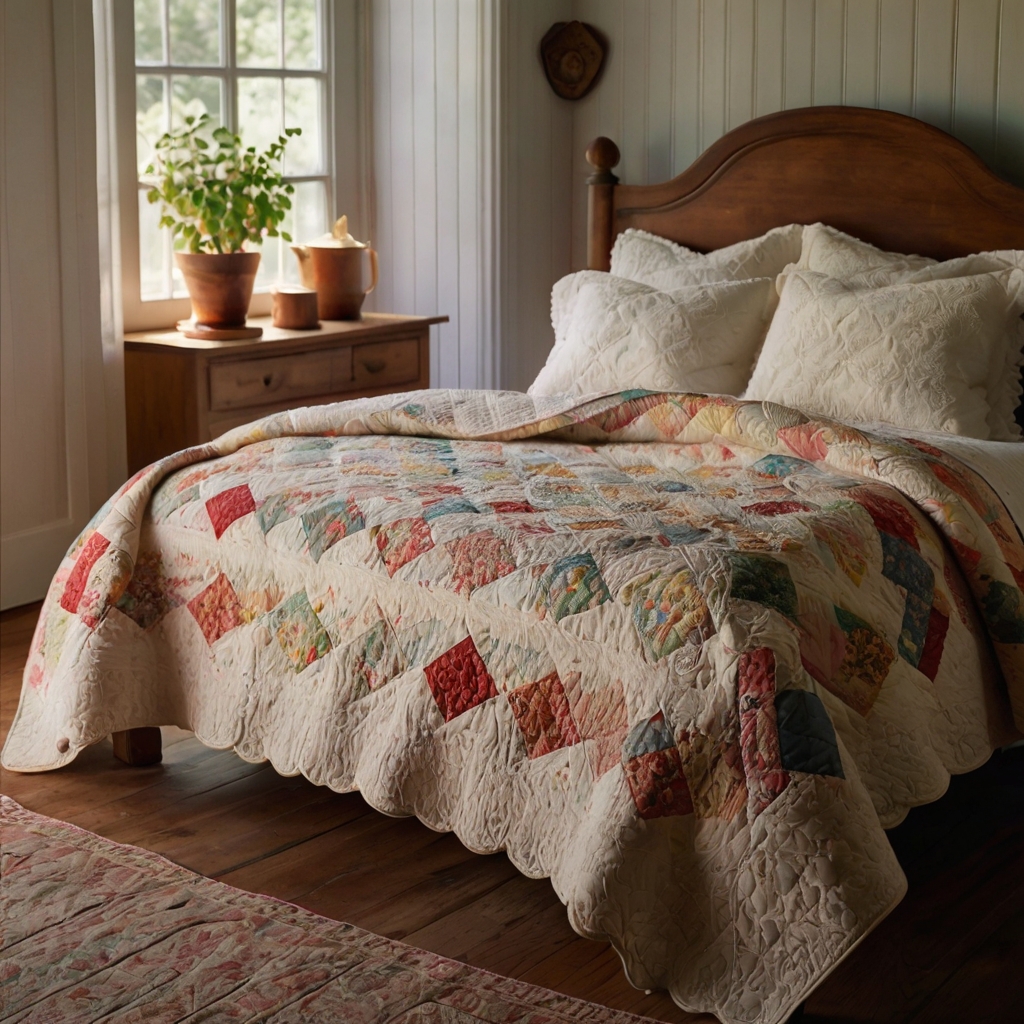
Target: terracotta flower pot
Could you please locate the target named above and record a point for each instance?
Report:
(219, 285)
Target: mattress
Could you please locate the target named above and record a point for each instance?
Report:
(687, 656)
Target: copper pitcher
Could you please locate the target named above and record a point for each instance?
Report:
(342, 270)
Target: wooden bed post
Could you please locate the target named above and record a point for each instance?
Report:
(602, 155)
(138, 747)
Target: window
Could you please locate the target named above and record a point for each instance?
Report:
(256, 67)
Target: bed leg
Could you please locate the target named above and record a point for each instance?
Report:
(138, 747)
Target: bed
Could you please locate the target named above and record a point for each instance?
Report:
(686, 655)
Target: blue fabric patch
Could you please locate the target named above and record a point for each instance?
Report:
(907, 569)
(326, 525)
(682, 533)
(782, 465)
(807, 741)
(648, 736)
(447, 507)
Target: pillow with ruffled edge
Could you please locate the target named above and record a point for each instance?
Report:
(826, 250)
(914, 354)
(612, 334)
(660, 263)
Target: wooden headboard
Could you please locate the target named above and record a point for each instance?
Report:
(888, 179)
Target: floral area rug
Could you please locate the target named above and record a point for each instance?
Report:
(91, 930)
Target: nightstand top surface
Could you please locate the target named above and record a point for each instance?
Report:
(371, 325)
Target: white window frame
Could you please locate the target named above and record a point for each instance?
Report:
(340, 42)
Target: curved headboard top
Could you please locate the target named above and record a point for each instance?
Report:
(888, 179)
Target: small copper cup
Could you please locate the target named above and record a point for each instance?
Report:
(294, 308)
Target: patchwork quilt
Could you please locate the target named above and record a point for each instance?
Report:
(685, 655)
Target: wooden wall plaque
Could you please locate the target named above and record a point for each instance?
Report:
(572, 54)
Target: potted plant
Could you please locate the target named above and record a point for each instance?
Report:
(218, 196)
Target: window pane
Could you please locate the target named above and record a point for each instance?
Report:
(259, 111)
(306, 220)
(274, 252)
(149, 32)
(195, 31)
(154, 251)
(302, 110)
(258, 34)
(301, 42)
(194, 95)
(150, 116)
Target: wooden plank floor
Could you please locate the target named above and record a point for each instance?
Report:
(951, 952)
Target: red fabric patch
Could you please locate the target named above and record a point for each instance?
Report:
(229, 505)
(958, 588)
(759, 734)
(776, 508)
(658, 784)
(967, 557)
(216, 609)
(75, 586)
(960, 484)
(543, 716)
(402, 541)
(505, 507)
(887, 514)
(459, 680)
(934, 643)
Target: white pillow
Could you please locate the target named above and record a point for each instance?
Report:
(914, 354)
(828, 251)
(613, 334)
(662, 264)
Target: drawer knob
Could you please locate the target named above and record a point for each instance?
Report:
(267, 378)
(374, 365)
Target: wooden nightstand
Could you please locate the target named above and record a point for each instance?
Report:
(182, 391)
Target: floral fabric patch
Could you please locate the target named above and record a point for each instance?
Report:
(299, 631)
(572, 585)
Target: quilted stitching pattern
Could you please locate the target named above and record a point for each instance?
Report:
(576, 631)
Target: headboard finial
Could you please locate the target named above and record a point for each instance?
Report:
(602, 155)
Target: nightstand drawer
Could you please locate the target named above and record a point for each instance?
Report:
(385, 362)
(236, 384)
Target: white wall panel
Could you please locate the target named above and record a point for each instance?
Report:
(860, 64)
(829, 46)
(62, 444)
(769, 55)
(933, 70)
(798, 87)
(975, 74)
(1009, 147)
(432, 62)
(896, 45)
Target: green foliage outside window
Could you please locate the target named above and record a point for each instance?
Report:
(216, 194)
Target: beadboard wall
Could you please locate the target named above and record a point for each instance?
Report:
(681, 73)
(434, 124)
(479, 168)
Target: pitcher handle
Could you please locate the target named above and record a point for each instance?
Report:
(374, 270)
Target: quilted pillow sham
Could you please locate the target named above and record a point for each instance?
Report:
(611, 333)
(915, 354)
(826, 250)
(655, 261)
